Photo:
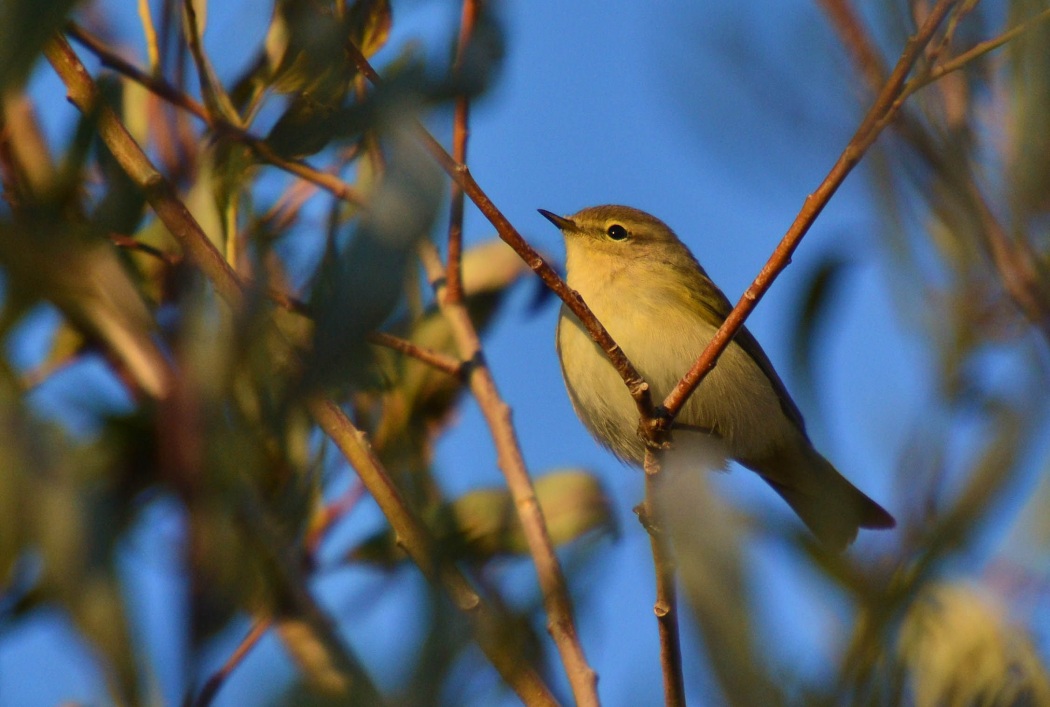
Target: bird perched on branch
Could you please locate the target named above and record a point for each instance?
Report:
(662, 309)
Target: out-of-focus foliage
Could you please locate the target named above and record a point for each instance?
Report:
(483, 524)
(212, 419)
(210, 415)
(24, 27)
(960, 182)
(958, 648)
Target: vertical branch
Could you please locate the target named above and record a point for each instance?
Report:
(666, 606)
(460, 132)
(149, 33)
(459, 173)
(411, 533)
(556, 599)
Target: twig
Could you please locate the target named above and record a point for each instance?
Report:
(149, 35)
(459, 173)
(879, 115)
(411, 532)
(215, 97)
(1017, 267)
(460, 133)
(556, 599)
(218, 124)
(666, 606)
(417, 542)
(331, 514)
(211, 687)
(436, 359)
(975, 52)
(129, 243)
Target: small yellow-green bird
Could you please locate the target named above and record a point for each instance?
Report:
(660, 306)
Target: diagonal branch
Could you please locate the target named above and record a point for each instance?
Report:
(216, 123)
(460, 132)
(411, 533)
(1017, 266)
(460, 174)
(881, 113)
(556, 599)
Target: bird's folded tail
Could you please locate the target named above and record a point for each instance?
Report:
(830, 506)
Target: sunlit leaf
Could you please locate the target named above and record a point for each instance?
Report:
(369, 23)
(959, 648)
(483, 524)
(421, 396)
(313, 658)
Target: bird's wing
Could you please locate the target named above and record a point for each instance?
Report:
(715, 307)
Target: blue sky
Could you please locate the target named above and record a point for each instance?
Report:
(719, 119)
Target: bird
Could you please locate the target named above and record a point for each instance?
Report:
(659, 305)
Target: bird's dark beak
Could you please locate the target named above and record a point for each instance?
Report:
(565, 224)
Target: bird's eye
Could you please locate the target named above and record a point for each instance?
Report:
(616, 232)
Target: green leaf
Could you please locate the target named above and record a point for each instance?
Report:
(483, 524)
(369, 23)
(25, 25)
(822, 286)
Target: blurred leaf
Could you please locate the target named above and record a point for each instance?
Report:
(22, 452)
(98, 611)
(1029, 97)
(360, 283)
(712, 568)
(483, 524)
(958, 649)
(420, 397)
(818, 295)
(81, 274)
(369, 23)
(484, 54)
(28, 165)
(24, 27)
(312, 657)
(307, 126)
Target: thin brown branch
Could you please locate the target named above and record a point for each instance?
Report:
(856, 39)
(411, 533)
(878, 116)
(332, 514)
(420, 545)
(435, 359)
(170, 93)
(666, 606)
(1022, 275)
(976, 52)
(460, 133)
(129, 243)
(218, 679)
(636, 385)
(1018, 268)
(556, 600)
